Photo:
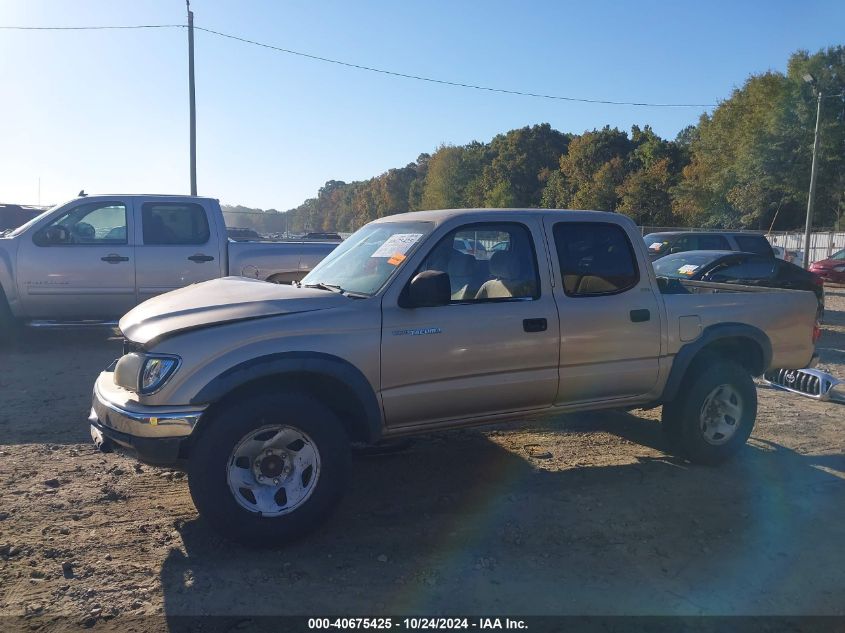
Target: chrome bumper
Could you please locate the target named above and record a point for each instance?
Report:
(141, 421)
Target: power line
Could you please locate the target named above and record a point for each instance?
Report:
(452, 83)
(372, 69)
(92, 28)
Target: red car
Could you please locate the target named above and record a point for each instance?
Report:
(831, 269)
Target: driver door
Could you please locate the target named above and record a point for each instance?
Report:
(79, 265)
(492, 349)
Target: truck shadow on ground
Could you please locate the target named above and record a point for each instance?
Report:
(461, 524)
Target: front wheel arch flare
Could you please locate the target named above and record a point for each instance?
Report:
(321, 374)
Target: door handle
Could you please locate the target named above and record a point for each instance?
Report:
(639, 316)
(199, 258)
(534, 325)
(114, 259)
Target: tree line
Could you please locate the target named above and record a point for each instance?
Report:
(745, 165)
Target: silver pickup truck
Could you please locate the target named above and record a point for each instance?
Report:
(258, 389)
(96, 257)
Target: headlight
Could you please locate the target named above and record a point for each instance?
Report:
(839, 269)
(155, 372)
(144, 373)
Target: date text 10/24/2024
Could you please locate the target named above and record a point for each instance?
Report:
(418, 623)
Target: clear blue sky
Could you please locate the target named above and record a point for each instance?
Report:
(107, 110)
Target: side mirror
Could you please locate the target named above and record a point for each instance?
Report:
(676, 249)
(53, 235)
(429, 289)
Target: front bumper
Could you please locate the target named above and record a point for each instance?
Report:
(156, 434)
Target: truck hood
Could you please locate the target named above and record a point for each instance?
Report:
(220, 301)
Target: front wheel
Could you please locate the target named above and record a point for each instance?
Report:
(269, 468)
(714, 413)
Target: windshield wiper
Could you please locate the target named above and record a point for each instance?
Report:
(322, 286)
(335, 288)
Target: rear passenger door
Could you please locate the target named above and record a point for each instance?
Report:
(610, 332)
(178, 246)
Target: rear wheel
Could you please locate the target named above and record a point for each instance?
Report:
(714, 413)
(266, 470)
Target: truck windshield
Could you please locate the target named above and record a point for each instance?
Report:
(682, 265)
(367, 258)
(656, 244)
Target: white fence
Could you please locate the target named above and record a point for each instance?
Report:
(822, 244)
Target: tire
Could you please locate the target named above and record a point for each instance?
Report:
(8, 323)
(714, 413)
(224, 469)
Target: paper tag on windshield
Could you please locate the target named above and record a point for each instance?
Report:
(687, 269)
(656, 246)
(397, 259)
(397, 244)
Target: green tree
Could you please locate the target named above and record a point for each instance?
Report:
(644, 195)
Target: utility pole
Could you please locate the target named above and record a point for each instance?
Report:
(811, 199)
(192, 97)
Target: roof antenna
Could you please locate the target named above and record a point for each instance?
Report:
(82, 193)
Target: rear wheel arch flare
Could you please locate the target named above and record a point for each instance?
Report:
(745, 344)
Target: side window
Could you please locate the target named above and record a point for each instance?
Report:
(713, 243)
(94, 223)
(167, 223)
(487, 262)
(596, 258)
(753, 244)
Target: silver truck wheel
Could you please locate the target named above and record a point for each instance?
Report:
(720, 414)
(266, 468)
(714, 411)
(273, 470)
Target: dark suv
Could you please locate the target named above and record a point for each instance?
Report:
(660, 244)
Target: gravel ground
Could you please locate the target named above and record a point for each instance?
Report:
(584, 514)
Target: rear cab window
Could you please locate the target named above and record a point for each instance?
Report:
(596, 258)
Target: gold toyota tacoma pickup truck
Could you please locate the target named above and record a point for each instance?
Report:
(432, 320)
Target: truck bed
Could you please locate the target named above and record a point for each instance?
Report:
(788, 317)
(263, 260)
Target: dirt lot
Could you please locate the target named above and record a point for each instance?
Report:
(473, 522)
